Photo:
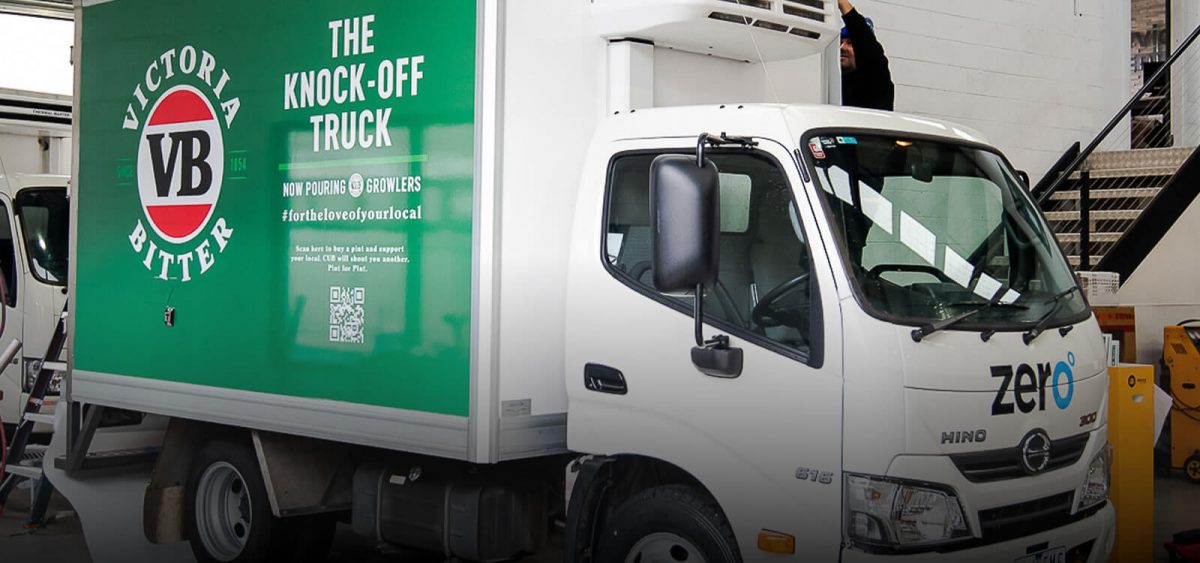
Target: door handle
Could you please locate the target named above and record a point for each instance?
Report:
(604, 379)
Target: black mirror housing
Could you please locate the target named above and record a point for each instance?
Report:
(685, 218)
(725, 363)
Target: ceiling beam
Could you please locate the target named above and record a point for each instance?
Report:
(53, 9)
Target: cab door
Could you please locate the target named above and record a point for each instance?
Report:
(767, 443)
(11, 272)
(41, 224)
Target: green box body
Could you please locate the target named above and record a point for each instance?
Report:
(243, 221)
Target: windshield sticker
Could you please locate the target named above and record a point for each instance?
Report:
(841, 184)
(828, 142)
(847, 141)
(957, 268)
(816, 150)
(877, 208)
(1010, 296)
(987, 286)
(916, 237)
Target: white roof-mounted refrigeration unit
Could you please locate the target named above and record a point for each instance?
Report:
(782, 29)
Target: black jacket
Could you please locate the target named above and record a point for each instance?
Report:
(870, 85)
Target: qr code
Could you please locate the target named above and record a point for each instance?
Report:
(346, 314)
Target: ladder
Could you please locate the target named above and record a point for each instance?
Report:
(24, 461)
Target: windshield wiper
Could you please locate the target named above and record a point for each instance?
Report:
(1038, 328)
(921, 333)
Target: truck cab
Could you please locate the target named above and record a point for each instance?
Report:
(919, 374)
(33, 257)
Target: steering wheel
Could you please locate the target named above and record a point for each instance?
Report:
(765, 315)
(915, 268)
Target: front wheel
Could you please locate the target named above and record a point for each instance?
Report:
(229, 517)
(669, 524)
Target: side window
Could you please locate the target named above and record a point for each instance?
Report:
(763, 289)
(8, 260)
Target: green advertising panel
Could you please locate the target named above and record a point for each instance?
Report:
(277, 197)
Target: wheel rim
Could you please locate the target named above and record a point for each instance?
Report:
(222, 511)
(1193, 469)
(664, 547)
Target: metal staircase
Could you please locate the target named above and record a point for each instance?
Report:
(1121, 186)
(1112, 202)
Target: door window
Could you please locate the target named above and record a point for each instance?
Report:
(764, 292)
(45, 220)
(8, 261)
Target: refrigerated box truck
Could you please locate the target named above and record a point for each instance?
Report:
(431, 268)
(35, 134)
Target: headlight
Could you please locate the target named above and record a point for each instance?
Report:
(1099, 475)
(32, 366)
(892, 513)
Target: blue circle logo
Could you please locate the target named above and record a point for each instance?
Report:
(1063, 369)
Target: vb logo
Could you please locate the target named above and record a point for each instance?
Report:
(181, 112)
(1031, 384)
(180, 164)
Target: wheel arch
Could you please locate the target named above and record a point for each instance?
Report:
(164, 506)
(603, 483)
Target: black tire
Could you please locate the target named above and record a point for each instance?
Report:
(677, 519)
(263, 537)
(1191, 468)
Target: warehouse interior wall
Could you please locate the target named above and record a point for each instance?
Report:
(1033, 76)
(1164, 289)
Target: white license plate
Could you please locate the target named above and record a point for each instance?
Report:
(1055, 555)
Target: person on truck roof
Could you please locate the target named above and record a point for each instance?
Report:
(866, 79)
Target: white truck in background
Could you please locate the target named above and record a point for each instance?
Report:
(35, 153)
(429, 269)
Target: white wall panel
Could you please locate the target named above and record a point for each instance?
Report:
(1034, 76)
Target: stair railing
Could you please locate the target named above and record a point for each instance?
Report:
(1145, 121)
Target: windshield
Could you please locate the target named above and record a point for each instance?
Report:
(44, 219)
(933, 229)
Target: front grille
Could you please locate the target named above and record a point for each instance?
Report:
(1026, 518)
(997, 465)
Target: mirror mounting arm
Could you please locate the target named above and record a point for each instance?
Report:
(698, 314)
(724, 139)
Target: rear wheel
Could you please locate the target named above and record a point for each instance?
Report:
(229, 515)
(668, 524)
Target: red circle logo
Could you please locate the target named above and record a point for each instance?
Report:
(181, 162)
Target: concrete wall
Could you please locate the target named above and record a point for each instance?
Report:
(1033, 75)
(1164, 288)
(1185, 75)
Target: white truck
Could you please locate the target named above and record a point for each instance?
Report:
(35, 133)
(432, 269)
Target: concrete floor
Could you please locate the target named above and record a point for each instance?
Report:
(1177, 508)
(62, 540)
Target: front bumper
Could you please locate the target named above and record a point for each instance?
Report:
(1098, 529)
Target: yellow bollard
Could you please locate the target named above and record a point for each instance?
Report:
(1131, 433)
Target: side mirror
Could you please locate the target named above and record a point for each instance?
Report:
(685, 216)
(1024, 176)
(685, 223)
